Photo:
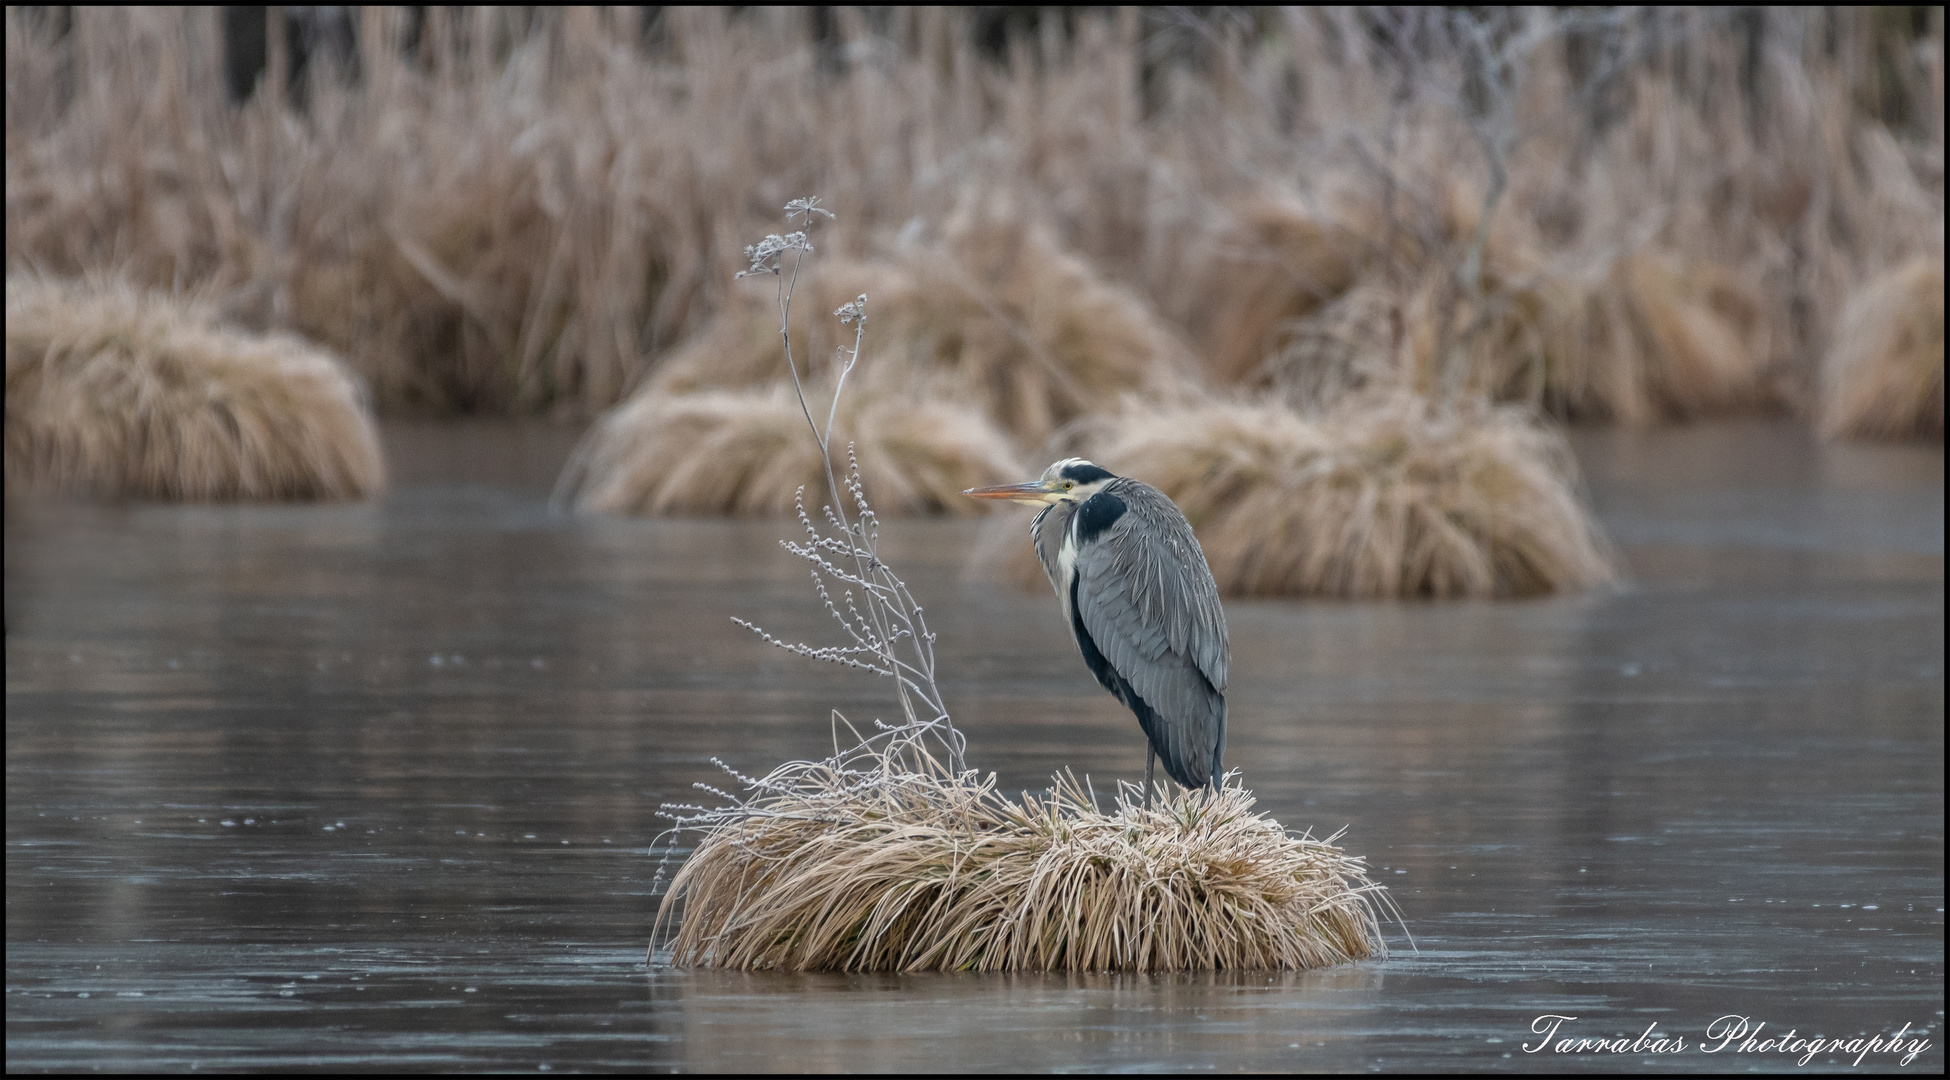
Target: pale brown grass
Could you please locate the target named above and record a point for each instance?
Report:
(534, 208)
(114, 391)
(1642, 337)
(1369, 500)
(1654, 339)
(1883, 378)
(889, 862)
(747, 453)
(1658, 338)
(1268, 260)
(995, 316)
(1730, 277)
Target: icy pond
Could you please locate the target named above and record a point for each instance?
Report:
(373, 787)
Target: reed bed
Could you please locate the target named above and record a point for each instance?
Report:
(890, 861)
(745, 453)
(1373, 499)
(1557, 242)
(116, 391)
(522, 210)
(1883, 377)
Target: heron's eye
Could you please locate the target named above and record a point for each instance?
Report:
(1069, 485)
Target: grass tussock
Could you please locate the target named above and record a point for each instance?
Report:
(1368, 500)
(1656, 338)
(1883, 377)
(890, 865)
(995, 315)
(119, 392)
(747, 453)
(1642, 337)
(1661, 338)
(1267, 261)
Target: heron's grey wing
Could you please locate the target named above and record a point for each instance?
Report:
(1161, 567)
(1148, 602)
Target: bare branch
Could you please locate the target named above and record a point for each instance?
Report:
(884, 627)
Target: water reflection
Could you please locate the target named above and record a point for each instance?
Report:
(373, 785)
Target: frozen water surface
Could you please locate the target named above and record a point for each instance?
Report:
(372, 786)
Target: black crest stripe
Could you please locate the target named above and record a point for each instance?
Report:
(1086, 473)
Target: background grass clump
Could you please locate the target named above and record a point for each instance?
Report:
(1884, 372)
(116, 391)
(745, 453)
(1376, 498)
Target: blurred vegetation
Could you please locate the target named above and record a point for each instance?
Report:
(1367, 218)
(514, 209)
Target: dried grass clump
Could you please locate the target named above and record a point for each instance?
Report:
(723, 452)
(884, 864)
(1369, 500)
(113, 391)
(1273, 260)
(1656, 338)
(1663, 338)
(995, 316)
(1883, 376)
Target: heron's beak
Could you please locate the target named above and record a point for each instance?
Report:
(1033, 493)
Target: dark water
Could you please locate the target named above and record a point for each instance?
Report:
(373, 786)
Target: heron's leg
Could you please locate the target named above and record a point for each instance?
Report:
(1150, 754)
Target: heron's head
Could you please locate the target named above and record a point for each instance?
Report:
(1070, 480)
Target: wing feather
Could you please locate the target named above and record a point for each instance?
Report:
(1148, 601)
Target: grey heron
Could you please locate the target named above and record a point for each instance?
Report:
(1141, 604)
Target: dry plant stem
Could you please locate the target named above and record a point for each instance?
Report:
(891, 611)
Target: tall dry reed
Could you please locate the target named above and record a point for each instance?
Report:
(1535, 196)
(119, 392)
